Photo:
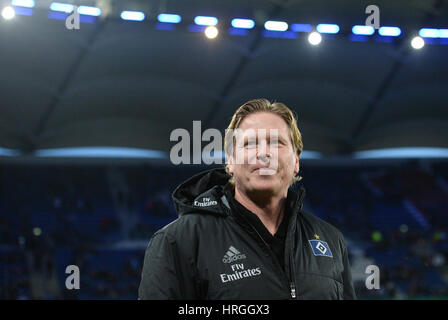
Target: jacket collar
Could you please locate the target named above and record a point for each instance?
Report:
(204, 193)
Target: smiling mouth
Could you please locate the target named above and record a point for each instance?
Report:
(263, 170)
(258, 169)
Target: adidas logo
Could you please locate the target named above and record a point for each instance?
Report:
(232, 255)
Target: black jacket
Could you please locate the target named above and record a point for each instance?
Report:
(211, 252)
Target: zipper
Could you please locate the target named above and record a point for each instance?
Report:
(291, 234)
(293, 290)
(292, 274)
(291, 281)
(290, 252)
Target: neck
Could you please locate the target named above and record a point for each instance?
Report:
(268, 208)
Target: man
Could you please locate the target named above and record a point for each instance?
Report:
(241, 231)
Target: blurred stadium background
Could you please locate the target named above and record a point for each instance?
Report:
(86, 116)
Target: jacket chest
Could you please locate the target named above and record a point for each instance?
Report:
(240, 271)
(238, 267)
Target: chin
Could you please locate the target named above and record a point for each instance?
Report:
(266, 183)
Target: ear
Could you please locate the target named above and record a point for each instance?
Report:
(230, 164)
(296, 165)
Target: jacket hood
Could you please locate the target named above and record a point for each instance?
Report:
(204, 192)
(201, 193)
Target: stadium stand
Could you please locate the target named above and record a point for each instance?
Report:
(101, 218)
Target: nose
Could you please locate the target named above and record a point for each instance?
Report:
(264, 157)
(263, 153)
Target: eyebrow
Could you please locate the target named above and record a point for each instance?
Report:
(268, 137)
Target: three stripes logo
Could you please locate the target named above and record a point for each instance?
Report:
(233, 255)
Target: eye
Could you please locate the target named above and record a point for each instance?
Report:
(251, 143)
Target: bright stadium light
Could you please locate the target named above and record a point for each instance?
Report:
(327, 28)
(276, 26)
(61, 7)
(169, 18)
(211, 32)
(101, 152)
(433, 33)
(8, 152)
(311, 155)
(363, 30)
(314, 38)
(23, 3)
(243, 23)
(205, 21)
(417, 43)
(428, 33)
(8, 13)
(443, 33)
(132, 15)
(89, 11)
(405, 152)
(389, 31)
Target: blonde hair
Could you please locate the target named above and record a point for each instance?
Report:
(263, 105)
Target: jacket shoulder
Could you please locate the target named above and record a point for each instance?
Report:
(188, 225)
(324, 226)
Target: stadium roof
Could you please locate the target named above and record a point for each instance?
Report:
(116, 83)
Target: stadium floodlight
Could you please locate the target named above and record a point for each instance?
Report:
(428, 33)
(206, 21)
(314, 38)
(101, 152)
(389, 31)
(89, 11)
(433, 33)
(243, 23)
(211, 32)
(404, 152)
(8, 13)
(301, 27)
(443, 33)
(276, 25)
(363, 30)
(132, 15)
(311, 155)
(4, 152)
(417, 43)
(23, 3)
(327, 28)
(169, 18)
(61, 7)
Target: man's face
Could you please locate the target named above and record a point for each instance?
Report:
(263, 159)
